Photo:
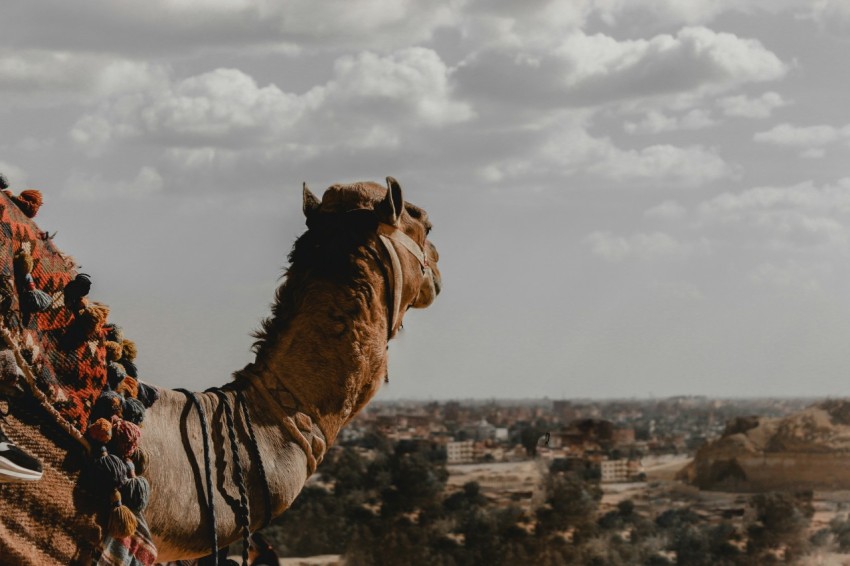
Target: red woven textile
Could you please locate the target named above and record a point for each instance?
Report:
(72, 377)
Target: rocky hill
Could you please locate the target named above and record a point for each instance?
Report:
(807, 450)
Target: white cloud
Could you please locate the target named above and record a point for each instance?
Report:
(832, 15)
(15, 175)
(745, 107)
(159, 25)
(790, 276)
(34, 76)
(368, 102)
(803, 137)
(581, 69)
(413, 81)
(147, 181)
(791, 218)
(657, 245)
(667, 210)
(569, 150)
(800, 196)
(664, 164)
(614, 12)
(813, 153)
(655, 122)
(664, 13)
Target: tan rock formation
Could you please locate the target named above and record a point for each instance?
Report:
(807, 450)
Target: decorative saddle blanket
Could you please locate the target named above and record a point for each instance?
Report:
(59, 347)
(71, 375)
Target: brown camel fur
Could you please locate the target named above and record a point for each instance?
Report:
(320, 357)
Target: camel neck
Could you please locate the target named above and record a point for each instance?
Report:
(331, 358)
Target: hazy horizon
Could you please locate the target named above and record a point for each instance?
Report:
(629, 198)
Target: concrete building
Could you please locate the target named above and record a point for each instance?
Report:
(614, 471)
(459, 452)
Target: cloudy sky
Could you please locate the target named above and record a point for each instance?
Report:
(630, 197)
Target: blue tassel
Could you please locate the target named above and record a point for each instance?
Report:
(34, 300)
(136, 493)
(115, 374)
(110, 471)
(134, 411)
(129, 367)
(107, 406)
(147, 395)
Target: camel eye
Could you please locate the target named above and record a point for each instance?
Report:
(427, 231)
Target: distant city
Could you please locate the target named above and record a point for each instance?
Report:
(678, 480)
(595, 431)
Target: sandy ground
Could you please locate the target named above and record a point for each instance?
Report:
(517, 482)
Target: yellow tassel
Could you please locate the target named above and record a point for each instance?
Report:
(113, 351)
(122, 521)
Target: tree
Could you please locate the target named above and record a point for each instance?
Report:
(570, 502)
(781, 520)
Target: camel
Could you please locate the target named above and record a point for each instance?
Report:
(320, 357)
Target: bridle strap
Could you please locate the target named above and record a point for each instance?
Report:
(391, 232)
(388, 234)
(397, 283)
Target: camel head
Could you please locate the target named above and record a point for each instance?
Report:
(400, 226)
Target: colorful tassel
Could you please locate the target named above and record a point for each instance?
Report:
(100, 431)
(125, 437)
(134, 411)
(136, 493)
(122, 522)
(129, 350)
(113, 349)
(147, 394)
(29, 201)
(108, 405)
(129, 367)
(32, 299)
(128, 354)
(115, 374)
(75, 290)
(114, 333)
(109, 470)
(88, 320)
(129, 387)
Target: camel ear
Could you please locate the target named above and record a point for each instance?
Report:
(393, 205)
(311, 203)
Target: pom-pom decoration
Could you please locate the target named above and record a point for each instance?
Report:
(108, 405)
(147, 394)
(129, 387)
(115, 374)
(114, 333)
(100, 431)
(32, 299)
(134, 411)
(75, 290)
(113, 350)
(125, 437)
(29, 201)
(109, 470)
(136, 493)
